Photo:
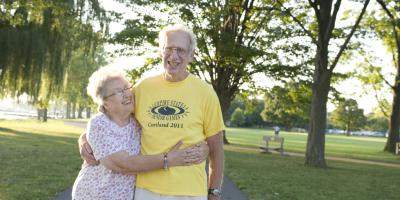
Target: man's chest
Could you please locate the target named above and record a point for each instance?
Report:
(168, 118)
(169, 110)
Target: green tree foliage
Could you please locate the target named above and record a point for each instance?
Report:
(251, 108)
(376, 123)
(236, 39)
(378, 120)
(253, 114)
(238, 118)
(348, 116)
(288, 106)
(80, 69)
(238, 102)
(37, 40)
(373, 80)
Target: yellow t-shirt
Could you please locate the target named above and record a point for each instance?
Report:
(188, 110)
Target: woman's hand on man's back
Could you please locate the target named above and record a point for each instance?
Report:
(86, 151)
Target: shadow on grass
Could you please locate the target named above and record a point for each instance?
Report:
(274, 177)
(15, 132)
(350, 156)
(36, 166)
(34, 135)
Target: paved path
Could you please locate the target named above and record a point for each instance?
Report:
(229, 189)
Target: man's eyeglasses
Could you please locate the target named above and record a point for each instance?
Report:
(179, 51)
(120, 92)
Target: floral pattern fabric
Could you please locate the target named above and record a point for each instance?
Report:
(97, 182)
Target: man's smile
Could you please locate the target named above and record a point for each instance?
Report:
(173, 63)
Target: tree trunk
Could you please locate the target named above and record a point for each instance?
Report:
(73, 110)
(39, 114)
(394, 123)
(225, 96)
(80, 110)
(348, 130)
(315, 152)
(44, 112)
(68, 112)
(224, 107)
(88, 110)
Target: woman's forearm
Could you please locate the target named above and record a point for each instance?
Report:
(124, 163)
(141, 163)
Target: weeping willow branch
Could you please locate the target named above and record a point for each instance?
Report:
(38, 39)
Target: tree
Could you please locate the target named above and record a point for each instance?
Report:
(253, 113)
(251, 108)
(376, 123)
(238, 102)
(238, 118)
(37, 39)
(236, 39)
(373, 81)
(288, 106)
(321, 31)
(392, 8)
(384, 25)
(348, 116)
(81, 67)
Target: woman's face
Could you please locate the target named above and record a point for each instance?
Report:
(119, 99)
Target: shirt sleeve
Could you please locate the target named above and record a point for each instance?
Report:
(136, 95)
(213, 120)
(102, 140)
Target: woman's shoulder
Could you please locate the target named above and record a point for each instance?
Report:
(98, 121)
(98, 118)
(98, 128)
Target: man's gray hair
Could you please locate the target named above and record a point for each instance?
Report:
(177, 28)
(98, 81)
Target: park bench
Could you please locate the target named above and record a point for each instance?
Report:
(272, 139)
(397, 148)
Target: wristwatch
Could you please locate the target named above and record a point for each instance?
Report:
(215, 192)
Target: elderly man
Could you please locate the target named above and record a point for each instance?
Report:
(175, 106)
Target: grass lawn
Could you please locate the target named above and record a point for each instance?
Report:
(365, 148)
(38, 160)
(268, 177)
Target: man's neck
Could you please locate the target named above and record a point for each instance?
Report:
(175, 78)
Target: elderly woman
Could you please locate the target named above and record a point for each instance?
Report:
(114, 136)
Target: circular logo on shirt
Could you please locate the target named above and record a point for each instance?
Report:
(168, 110)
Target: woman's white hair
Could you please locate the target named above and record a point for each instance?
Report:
(98, 81)
(177, 28)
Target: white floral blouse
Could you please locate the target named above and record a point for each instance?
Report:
(97, 182)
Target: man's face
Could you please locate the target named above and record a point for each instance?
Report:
(175, 54)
